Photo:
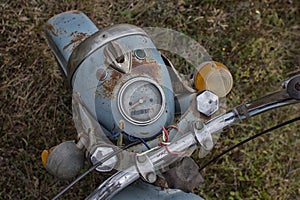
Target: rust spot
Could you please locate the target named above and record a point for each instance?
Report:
(77, 39)
(109, 85)
(143, 67)
(51, 28)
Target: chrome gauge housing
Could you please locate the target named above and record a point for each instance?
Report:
(141, 101)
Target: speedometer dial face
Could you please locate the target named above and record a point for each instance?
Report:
(141, 101)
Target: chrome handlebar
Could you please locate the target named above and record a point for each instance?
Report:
(114, 184)
(198, 135)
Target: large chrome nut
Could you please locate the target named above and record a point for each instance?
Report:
(99, 154)
(207, 103)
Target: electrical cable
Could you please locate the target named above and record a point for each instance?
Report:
(165, 143)
(94, 167)
(247, 140)
(131, 138)
(139, 141)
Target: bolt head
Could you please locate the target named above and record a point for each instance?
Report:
(151, 177)
(207, 103)
(198, 125)
(141, 158)
(100, 153)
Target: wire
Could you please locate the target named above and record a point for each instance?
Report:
(138, 141)
(174, 152)
(144, 142)
(165, 134)
(247, 140)
(176, 127)
(94, 167)
(165, 143)
(131, 138)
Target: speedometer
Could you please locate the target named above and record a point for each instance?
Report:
(141, 101)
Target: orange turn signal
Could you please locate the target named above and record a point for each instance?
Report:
(45, 155)
(214, 76)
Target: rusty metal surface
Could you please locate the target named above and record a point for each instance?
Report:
(98, 40)
(50, 28)
(100, 96)
(77, 38)
(65, 32)
(144, 67)
(109, 85)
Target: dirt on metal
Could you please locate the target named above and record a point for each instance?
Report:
(109, 85)
(51, 28)
(78, 37)
(145, 67)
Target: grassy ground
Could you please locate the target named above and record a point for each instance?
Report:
(258, 40)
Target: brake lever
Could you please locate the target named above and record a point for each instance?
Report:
(290, 94)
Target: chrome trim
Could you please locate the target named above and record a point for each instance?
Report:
(114, 51)
(145, 167)
(122, 179)
(245, 111)
(120, 99)
(114, 184)
(161, 157)
(96, 41)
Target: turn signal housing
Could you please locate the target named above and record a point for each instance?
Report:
(215, 77)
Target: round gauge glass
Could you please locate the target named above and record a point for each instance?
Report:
(141, 101)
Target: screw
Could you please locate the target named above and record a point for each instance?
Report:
(151, 177)
(198, 125)
(140, 54)
(101, 74)
(141, 159)
(208, 144)
(94, 159)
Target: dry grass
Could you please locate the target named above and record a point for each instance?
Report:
(258, 41)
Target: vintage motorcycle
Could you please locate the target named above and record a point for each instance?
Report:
(135, 114)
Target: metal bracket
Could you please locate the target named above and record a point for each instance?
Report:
(146, 168)
(118, 56)
(203, 136)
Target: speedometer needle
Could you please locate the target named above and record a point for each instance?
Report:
(140, 101)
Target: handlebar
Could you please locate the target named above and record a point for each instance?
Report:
(200, 135)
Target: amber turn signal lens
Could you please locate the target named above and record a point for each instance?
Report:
(45, 155)
(214, 76)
